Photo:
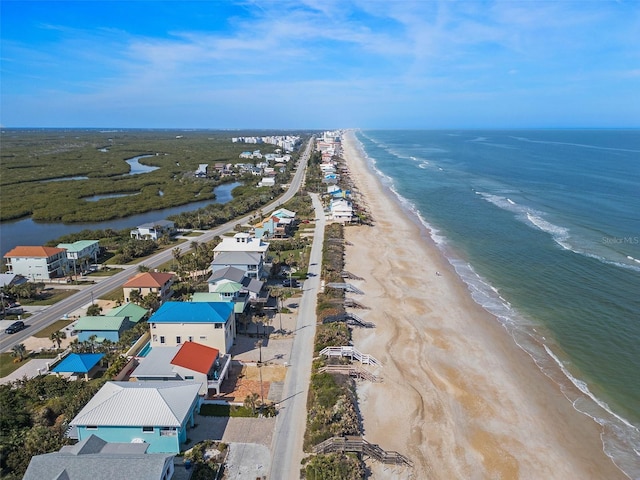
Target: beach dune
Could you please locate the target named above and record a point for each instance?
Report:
(459, 398)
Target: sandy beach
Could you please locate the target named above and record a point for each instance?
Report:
(459, 398)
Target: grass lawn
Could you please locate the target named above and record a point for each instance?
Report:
(7, 366)
(49, 297)
(114, 295)
(108, 272)
(54, 327)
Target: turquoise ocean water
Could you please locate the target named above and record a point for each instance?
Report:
(544, 228)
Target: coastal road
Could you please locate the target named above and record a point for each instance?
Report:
(286, 446)
(84, 297)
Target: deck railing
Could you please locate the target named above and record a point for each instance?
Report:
(360, 445)
(351, 352)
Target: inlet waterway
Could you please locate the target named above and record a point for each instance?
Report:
(28, 232)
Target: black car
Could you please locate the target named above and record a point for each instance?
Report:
(15, 327)
(290, 283)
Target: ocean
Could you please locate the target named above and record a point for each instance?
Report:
(544, 228)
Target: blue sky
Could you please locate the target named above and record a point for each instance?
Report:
(320, 64)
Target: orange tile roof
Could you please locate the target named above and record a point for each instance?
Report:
(196, 357)
(149, 279)
(33, 251)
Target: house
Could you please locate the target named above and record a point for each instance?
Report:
(156, 413)
(154, 231)
(283, 213)
(81, 254)
(241, 242)
(103, 327)
(202, 171)
(37, 263)
(211, 324)
(11, 280)
(74, 364)
(251, 263)
(189, 361)
(97, 459)
(272, 227)
(135, 312)
(267, 182)
(341, 210)
(231, 281)
(158, 283)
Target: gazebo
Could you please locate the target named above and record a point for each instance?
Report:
(79, 363)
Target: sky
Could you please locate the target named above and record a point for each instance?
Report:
(320, 64)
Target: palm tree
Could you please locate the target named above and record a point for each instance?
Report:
(259, 345)
(19, 351)
(94, 310)
(135, 296)
(57, 337)
(92, 341)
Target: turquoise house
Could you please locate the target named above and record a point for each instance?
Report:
(104, 328)
(156, 413)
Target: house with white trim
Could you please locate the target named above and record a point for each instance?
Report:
(156, 413)
(208, 323)
(81, 254)
(154, 230)
(341, 210)
(36, 263)
(100, 460)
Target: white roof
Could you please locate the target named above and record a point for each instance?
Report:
(233, 245)
(130, 404)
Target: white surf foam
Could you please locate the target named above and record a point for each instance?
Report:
(560, 235)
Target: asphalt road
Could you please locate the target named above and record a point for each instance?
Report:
(55, 312)
(286, 447)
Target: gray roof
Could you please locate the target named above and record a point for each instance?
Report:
(159, 223)
(7, 279)
(129, 404)
(157, 363)
(252, 285)
(98, 460)
(237, 258)
(228, 273)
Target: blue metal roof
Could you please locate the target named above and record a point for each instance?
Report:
(190, 312)
(78, 363)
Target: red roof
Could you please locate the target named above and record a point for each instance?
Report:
(34, 251)
(196, 357)
(149, 279)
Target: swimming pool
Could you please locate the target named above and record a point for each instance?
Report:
(145, 350)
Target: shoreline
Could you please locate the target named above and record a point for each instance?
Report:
(468, 402)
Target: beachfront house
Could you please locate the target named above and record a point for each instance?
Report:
(81, 254)
(93, 457)
(341, 210)
(157, 283)
(208, 323)
(252, 264)
(189, 361)
(156, 413)
(154, 230)
(36, 263)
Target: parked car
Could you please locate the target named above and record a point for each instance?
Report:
(293, 283)
(15, 327)
(14, 311)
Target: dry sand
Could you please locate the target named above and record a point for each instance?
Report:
(459, 398)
